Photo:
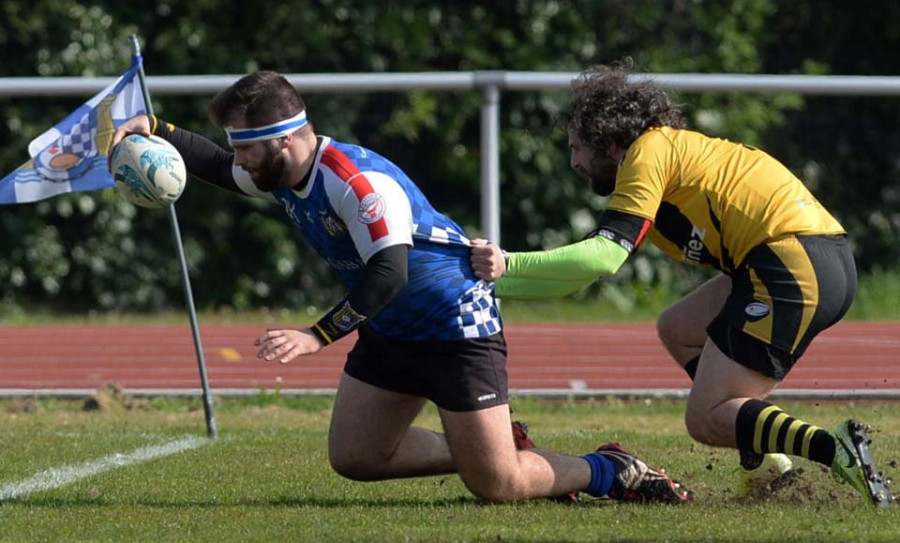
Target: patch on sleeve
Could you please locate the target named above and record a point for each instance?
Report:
(371, 208)
(346, 318)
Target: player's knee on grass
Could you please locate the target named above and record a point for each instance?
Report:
(349, 470)
(494, 489)
(353, 467)
(493, 483)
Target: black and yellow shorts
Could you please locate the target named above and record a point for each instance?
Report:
(783, 294)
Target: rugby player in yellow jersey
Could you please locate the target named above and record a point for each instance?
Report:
(787, 270)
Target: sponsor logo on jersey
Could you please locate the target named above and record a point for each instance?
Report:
(756, 310)
(371, 208)
(291, 210)
(693, 251)
(333, 226)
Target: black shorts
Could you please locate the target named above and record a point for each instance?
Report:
(461, 375)
(784, 293)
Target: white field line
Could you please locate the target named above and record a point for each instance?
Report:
(57, 477)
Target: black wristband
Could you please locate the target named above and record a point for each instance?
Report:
(337, 323)
(319, 335)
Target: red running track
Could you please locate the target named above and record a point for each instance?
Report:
(544, 358)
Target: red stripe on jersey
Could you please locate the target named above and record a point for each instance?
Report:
(347, 171)
(640, 237)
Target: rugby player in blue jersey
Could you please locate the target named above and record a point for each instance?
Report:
(428, 328)
(787, 271)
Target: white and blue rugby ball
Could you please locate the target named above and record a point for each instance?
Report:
(148, 171)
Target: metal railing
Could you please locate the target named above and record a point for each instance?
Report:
(489, 83)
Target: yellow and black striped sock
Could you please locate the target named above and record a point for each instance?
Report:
(764, 428)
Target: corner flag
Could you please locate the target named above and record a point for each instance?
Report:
(71, 156)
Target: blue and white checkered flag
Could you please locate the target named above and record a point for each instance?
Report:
(71, 156)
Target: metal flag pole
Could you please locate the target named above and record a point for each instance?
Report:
(211, 429)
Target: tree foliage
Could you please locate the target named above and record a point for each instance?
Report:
(96, 251)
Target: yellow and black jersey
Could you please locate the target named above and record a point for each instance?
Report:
(712, 200)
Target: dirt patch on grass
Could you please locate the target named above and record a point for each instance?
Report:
(112, 398)
(812, 485)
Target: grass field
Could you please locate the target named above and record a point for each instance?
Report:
(267, 479)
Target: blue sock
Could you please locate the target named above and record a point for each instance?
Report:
(602, 472)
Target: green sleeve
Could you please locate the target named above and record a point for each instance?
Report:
(562, 271)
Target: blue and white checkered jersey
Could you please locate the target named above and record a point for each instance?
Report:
(356, 204)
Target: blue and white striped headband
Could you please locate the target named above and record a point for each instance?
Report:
(268, 132)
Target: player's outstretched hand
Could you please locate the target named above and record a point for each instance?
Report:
(139, 124)
(286, 345)
(488, 260)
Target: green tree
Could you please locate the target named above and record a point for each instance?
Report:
(97, 251)
(846, 148)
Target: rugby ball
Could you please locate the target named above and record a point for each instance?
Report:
(149, 171)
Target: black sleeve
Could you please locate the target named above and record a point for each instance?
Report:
(385, 274)
(623, 228)
(203, 159)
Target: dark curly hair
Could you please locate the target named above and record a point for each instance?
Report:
(608, 108)
(262, 97)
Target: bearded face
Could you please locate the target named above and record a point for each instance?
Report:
(600, 169)
(271, 168)
(603, 175)
(263, 162)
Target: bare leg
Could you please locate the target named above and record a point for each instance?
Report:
(721, 385)
(682, 327)
(372, 437)
(720, 388)
(490, 466)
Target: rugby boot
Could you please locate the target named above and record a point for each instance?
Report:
(520, 436)
(853, 463)
(635, 481)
